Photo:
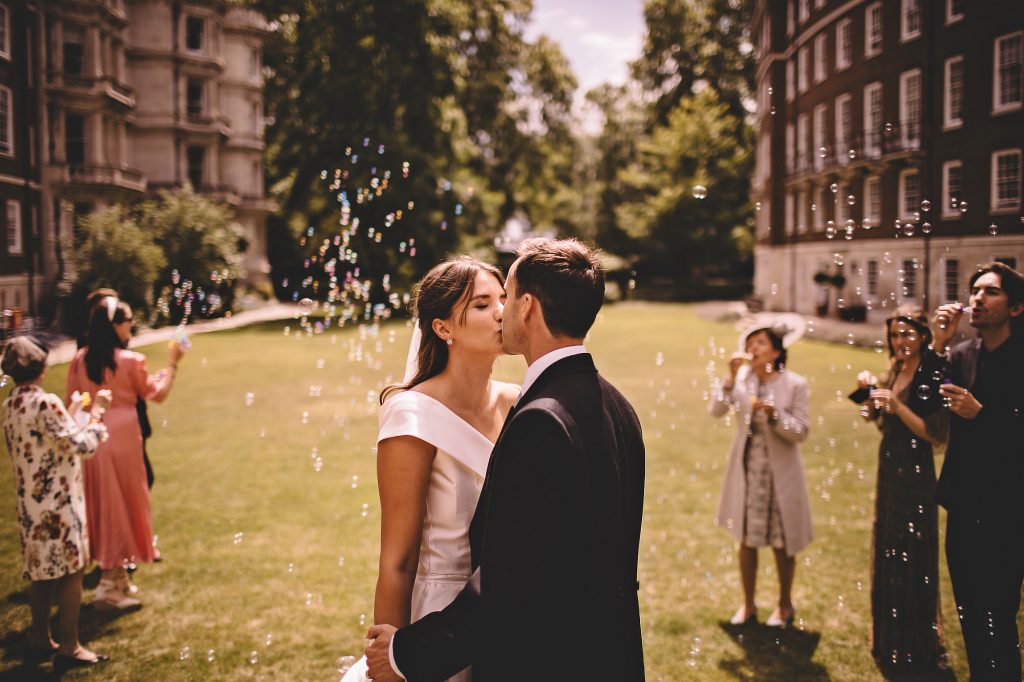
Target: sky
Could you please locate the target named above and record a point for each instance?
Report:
(600, 37)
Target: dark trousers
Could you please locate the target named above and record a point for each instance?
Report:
(986, 564)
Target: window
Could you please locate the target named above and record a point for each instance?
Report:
(805, 10)
(14, 227)
(790, 214)
(953, 94)
(844, 127)
(951, 279)
(873, 200)
(790, 147)
(765, 38)
(910, 19)
(254, 116)
(74, 139)
(194, 29)
(842, 207)
(910, 108)
(6, 122)
(74, 50)
(910, 194)
(801, 211)
(801, 142)
(819, 150)
(952, 187)
(1006, 179)
(803, 65)
(194, 105)
(254, 64)
(909, 279)
(872, 118)
(5, 33)
(196, 166)
(820, 203)
(844, 44)
(1008, 66)
(954, 11)
(872, 278)
(790, 18)
(873, 30)
(790, 79)
(820, 57)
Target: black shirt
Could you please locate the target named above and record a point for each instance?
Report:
(983, 474)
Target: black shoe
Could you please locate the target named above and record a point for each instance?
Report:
(36, 654)
(62, 663)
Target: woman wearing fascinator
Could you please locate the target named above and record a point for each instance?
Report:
(437, 430)
(764, 499)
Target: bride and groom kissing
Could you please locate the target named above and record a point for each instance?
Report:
(510, 516)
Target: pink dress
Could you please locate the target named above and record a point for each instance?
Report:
(116, 494)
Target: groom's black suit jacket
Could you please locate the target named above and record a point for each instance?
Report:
(555, 535)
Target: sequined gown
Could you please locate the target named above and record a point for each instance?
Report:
(905, 566)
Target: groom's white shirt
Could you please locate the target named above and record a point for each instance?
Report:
(533, 372)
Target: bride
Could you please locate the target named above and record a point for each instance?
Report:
(437, 429)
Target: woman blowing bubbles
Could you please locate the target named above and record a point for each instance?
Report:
(906, 407)
(764, 497)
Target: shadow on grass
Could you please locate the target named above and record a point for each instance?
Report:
(773, 654)
(14, 644)
(943, 674)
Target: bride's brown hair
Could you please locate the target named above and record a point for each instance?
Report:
(436, 296)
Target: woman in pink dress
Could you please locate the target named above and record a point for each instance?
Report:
(116, 493)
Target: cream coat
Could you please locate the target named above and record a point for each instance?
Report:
(783, 438)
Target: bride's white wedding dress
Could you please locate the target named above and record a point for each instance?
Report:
(456, 478)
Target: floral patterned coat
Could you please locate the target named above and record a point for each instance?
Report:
(45, 444)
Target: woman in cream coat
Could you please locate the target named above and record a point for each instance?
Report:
(764, 497)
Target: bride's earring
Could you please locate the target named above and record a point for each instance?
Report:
(449, 341)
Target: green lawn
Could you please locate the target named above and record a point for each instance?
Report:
(270, 552)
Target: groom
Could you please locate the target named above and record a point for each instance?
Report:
(557, 528)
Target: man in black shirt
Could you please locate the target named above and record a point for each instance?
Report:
(982, 479)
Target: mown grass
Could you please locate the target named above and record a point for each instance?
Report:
(295, 587)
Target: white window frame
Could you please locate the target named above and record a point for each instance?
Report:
(948, 211)
(997, 107)
(906, 32)
(909, 275)
(994, 184)
(8, 94)
(948, 122)
(15, 247)
(843, 134)
(790, 79)
(844, 44)
(872, 278)
(870, 12)
(802, 211)
(790, 216)
(873, 128)
(5, 25)
(820, 57)
(950, 17)
(873, 194)
(818, 134)
(910, 135)
(901, 209)
(802, 69)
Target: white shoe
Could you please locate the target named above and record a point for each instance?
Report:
(109, 596)
(777, 621)
(743, 618)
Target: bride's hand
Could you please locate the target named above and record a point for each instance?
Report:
(378, 654)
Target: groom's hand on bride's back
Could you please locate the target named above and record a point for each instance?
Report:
(378, 654)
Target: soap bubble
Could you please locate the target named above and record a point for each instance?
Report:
(879, 346)
(926, 205)
(254, 657)
(924, 392)
(838, 259)
(184, 654)
(238, 538)
(210, 655)
(834, 188)
(700, 192)
(249, 399)
(851, 200)
(963, 207)
(993, 229)
(908, 229)
(926, 228)
(344, 663)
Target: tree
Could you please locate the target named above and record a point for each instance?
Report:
(112, 250)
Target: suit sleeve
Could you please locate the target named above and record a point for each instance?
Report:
(441, 643)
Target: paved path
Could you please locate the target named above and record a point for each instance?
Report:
(65, 350)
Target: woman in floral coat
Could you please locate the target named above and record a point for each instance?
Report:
(45, 444)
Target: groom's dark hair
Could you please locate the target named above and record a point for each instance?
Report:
(566, 276)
